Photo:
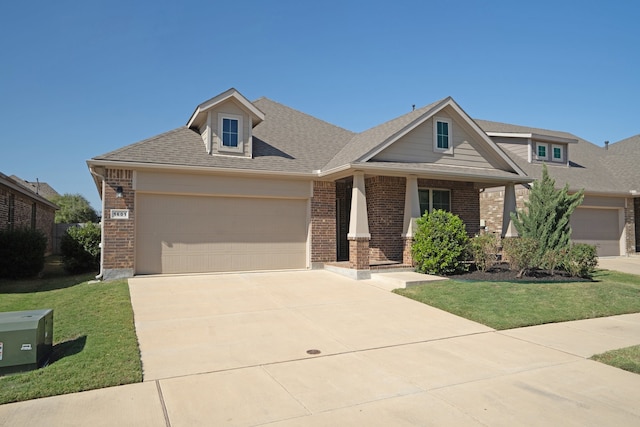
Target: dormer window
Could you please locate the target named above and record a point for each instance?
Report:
(541, 151)
(556, 153)
(230, 132)
(442, 139)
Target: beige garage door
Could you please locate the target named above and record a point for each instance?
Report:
(600, 227)
(189, 234)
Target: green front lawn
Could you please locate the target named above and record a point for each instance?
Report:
(506, 305)
(625, 358)
(95, 345)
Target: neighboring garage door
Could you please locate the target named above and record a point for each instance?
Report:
(600, 227)
(196, 234)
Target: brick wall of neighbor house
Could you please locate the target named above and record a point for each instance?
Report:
(23, 210)
(385, 210)
(630, 225)
(323, 222)
(464, 201)
(118, 233)
(636, 209)
(492, 205)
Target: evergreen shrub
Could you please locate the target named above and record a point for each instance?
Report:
(21, 252)
(484, 251)
(80, 248)
(440, 244)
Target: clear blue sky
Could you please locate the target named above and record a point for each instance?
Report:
(81, 78)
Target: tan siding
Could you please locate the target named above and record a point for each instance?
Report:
(160, 182)
(417, 146)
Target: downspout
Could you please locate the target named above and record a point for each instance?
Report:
(102, 180)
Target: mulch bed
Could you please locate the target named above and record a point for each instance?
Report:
(501, 273)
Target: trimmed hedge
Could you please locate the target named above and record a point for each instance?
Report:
(80, 248)
(440, 243)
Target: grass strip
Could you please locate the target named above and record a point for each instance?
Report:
(95, 345)
(625, 358)
(506, 305)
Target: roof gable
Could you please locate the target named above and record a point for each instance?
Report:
(367, 145)
(200, 113)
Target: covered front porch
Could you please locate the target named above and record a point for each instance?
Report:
(376, 215)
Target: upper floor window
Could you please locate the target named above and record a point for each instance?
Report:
(541, 151)
(442, 139)
(230, 132)
(556, 153)
(432, 199)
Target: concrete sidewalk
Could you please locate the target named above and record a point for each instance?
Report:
(232, 350)
(625, 264)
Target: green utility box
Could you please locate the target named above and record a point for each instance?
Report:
(26, 340)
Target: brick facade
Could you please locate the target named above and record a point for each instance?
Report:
(23, 209)
(385, 211)
(636, 209)
(359, 254)
(323, 222)
(464, 201)
(119, 234)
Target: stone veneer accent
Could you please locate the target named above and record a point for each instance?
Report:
(323, 222)
(630, 224)
(359, 253)
(22, 214)
(119, 234)
(492, 205)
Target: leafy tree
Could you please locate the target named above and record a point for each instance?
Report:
(546, 218)
(440, 243)
(74, 208)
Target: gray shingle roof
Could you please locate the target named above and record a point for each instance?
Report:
(41, 188)
(587, 169)
(623, 159)
(288, 141)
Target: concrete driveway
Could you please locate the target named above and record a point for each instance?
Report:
(234, 350)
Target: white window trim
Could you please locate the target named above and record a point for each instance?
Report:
(221, 147)
(435, 135)
(431, 190)
(553, 157)
(546, 150)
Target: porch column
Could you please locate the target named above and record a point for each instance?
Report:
(411, 214)
(508, 229)
(358, 226)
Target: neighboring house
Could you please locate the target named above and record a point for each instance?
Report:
(41, 188)
(21, 207)
(260, 186)
(609, 213)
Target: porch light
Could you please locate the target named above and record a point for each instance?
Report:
(119, 192)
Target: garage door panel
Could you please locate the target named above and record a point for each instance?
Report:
(181, 234)
(599, 227)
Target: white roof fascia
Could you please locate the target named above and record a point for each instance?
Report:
(486, 138)
(210, 169)
(536, 136)
(476, 177)
(258, 115)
